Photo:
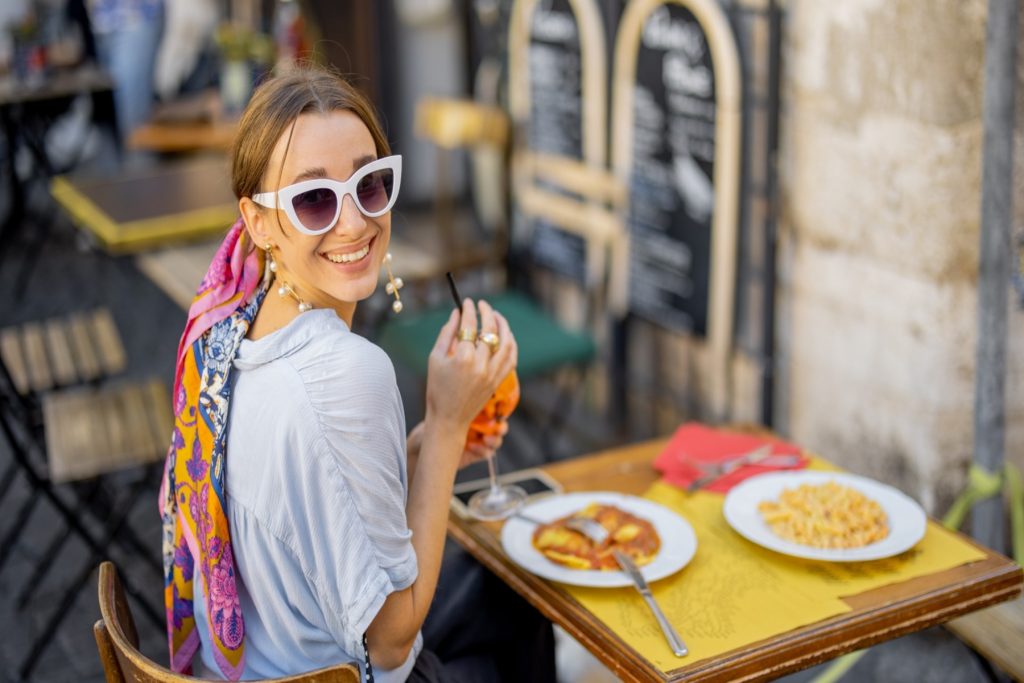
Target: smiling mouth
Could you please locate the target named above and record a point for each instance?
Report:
(350, 257)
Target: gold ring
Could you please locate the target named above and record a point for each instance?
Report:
(468, 335)
(491, 339)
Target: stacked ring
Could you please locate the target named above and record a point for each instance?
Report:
(491, 339)
(467, 335)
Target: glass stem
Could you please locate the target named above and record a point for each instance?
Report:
(492, 470)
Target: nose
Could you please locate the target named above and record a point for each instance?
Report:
(351, 218)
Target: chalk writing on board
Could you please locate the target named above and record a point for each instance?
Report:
(671, 191)
(556, 121)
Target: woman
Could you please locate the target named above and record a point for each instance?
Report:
(320, 540)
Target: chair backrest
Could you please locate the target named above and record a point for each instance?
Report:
(586, 201)
(461, 123)
(117, 642)
(482, 130)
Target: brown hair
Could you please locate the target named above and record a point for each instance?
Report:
(276, 104)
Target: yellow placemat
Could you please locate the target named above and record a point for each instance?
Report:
(734, 592)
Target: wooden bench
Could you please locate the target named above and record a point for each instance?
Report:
(997, 634)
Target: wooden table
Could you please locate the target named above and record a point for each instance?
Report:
(140, 209)
(193, 123)
(877, 615)
(184, 137)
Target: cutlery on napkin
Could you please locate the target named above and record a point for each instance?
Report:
(699, 456)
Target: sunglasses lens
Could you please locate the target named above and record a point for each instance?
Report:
(375, 190)
(316, 208)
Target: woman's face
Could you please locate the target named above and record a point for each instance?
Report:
(340, 267)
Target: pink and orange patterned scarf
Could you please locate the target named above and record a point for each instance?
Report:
(192, 500)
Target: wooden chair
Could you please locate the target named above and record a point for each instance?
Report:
(67, 432)
(997, 634)
(461, 124)
(117, 642)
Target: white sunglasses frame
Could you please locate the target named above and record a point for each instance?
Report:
(282, 198)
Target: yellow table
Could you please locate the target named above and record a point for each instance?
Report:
(746, 613)
(140, 209)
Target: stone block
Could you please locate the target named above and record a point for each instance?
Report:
(914, 59)
(881, 379)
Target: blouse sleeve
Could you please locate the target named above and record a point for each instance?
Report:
(360, 546)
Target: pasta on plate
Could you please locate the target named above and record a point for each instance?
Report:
(628, 533)
(827, 515)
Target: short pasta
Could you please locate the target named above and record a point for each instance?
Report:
(826, 515)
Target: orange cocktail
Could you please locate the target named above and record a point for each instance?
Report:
(497, 409)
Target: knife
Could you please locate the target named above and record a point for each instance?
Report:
(633, 572)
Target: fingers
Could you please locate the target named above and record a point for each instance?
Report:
(446, 336)
(480, 451)
(486, 448)
(467, 330)
(507, 355)
(488, 325)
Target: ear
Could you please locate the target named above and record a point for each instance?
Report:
(255, 221)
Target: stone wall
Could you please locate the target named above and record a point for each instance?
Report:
(880, 163)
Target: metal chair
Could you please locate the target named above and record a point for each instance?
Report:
(548, 347)
(118, 645)
(66, 441)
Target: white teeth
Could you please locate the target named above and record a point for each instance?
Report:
(349, 258)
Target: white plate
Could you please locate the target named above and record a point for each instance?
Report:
(678, 542)
(906, 518)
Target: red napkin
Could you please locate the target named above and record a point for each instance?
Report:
(694, 444)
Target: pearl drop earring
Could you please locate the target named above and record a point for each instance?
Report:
(394, 284)
(284, 289)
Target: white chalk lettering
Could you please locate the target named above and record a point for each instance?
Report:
(678, 74)
(661, 33)
(555, 27)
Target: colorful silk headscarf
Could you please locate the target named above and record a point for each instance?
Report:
(196, 534)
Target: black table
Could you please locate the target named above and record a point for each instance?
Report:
(26, 114)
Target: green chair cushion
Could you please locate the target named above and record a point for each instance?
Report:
(544, 345)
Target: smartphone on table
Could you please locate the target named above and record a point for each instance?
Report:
(535, 482)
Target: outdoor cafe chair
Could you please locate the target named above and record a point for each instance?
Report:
(118, 645)
(548, 347)
(88, 449)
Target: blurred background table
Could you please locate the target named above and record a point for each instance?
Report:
(141, 209)
(183, 137)
(192, 124)
(27, 112)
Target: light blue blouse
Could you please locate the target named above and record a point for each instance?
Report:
(316, 490)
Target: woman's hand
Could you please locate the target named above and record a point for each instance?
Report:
(476, 452)
(473, 453)
(462, 375)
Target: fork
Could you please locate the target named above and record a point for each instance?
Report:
(598, 534)
(761, 456)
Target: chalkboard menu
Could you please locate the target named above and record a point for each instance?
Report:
(555, 121)
(672, 195)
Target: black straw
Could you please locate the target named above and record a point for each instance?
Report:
(455, 291)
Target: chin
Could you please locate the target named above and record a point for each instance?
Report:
(354, 292)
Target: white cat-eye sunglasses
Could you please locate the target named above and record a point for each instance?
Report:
(313, 206)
